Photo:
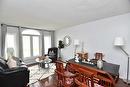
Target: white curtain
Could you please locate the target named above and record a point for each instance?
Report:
(12, 40)
(47, 41)
(15, 32)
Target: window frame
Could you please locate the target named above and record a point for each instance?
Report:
(31, 45)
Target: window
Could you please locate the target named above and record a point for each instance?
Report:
(35, 45)
(26, 46)
(11, 39)
(47, 42)
(31, 41)
(10, 45)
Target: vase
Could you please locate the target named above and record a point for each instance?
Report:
(100, 63)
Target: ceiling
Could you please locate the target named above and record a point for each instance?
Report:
(58, 14)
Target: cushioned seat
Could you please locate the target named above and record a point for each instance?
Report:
(13, 77)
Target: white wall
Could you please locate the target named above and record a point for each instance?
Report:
(99, 36)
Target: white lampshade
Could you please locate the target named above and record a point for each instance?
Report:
(119, 41)
(76, 42)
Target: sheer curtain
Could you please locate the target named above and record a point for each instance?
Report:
(12, 41)
(47, 41)
(12, 38)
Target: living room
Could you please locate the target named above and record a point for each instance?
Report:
(94, 25)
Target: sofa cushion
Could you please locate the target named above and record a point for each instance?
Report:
(18, 61)
(3, 64)
(11, 62)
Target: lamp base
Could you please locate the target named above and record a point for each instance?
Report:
(125, 81)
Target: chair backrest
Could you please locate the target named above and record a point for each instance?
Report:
(79, 83)
(83, 56)
(98, 55)
(65, 78)
(103, 80)
(59, 66)
(59, 70)
(53, 53)
(100, 77)
(84, 78)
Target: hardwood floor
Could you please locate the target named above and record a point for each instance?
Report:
(47, 82)
(52, 82)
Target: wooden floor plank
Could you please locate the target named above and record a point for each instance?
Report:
(52, 82)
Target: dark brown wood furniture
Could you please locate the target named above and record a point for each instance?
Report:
(103, 80)
(79, 83)
(64, 77)
(84, 78)
(105, 75)
(83, 56)
(98, 55)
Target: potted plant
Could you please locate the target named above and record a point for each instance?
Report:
(60, 46)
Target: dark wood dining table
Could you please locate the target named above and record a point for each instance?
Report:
(112, 69)
(107, 67)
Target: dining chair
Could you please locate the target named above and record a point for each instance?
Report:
(102, 80)
(83, 56)
(84, 78)
(64, 77)
(98, 55)
(79, 83)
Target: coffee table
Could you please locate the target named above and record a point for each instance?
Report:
(39, 61)
(47, 62)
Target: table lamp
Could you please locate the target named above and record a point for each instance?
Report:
(76, 44)
(119, 42)
(10, 52)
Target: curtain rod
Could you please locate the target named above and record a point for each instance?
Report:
(27, 27)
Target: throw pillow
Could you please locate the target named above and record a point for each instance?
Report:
(18, 60)
(11, 62)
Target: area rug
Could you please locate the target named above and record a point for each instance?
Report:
(38, 73)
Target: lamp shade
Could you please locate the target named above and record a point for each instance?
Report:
(76, 42)
(119, 41)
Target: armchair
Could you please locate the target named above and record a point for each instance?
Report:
(13, 77)
(53, 53)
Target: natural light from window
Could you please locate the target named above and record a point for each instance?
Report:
(10, 44)
(35, 45)
(26, 46)
(31, 32)
(31, 43)
(47, 43)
